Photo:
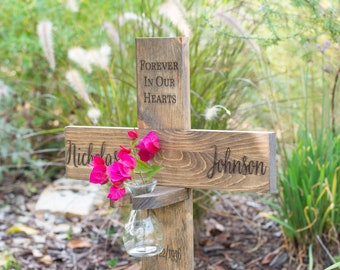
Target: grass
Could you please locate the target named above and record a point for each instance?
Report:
(307, 205)
(308, 201)
(45, 102)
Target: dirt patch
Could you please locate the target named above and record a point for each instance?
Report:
(236, 235)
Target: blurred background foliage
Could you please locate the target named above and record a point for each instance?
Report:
(273, 64)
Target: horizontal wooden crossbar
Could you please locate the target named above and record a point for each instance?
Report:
(205, 159)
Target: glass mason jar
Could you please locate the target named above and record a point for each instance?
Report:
(143, 233)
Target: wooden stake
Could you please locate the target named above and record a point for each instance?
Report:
(166, 105)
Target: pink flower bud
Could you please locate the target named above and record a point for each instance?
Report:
(133, 134)
(123, 151)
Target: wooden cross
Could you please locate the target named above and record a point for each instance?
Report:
(203, 159)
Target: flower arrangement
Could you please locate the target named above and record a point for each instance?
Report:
(130, 166)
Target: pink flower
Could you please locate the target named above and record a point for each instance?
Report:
(116, 192)
(128, 164)
(133, 134)
(125, 158)
(97, 160)
(128, 161)
(123, 151)
(148, 146)
(119, 171)
(99, 171)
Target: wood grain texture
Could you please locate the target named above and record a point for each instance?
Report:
(163, 82)
(178, 253)
(174, 113)
(191, 158)
(162, 196)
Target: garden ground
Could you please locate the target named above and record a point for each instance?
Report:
(237, 236)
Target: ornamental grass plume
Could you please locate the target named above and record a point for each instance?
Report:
(131, 164)
(175, 12)
(94, 114)
(211, 113)
(112, 33)
(79, 56)
(77, 83)
(129, 16)
(44, 30)
(133, 17)
(99, 57)
(72, 5)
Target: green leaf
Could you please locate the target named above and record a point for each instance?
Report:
(334, 266)
(141, 166)
(153, 170)
(113, 262)
(279, 221)
(147, 170)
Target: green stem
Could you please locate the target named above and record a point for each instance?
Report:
(333, 100)
(106, 98)
(114, 90)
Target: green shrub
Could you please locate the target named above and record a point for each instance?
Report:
(17, 157)
(223, 66)
(308, 204)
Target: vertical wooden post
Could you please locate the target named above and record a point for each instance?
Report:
(163, 98)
